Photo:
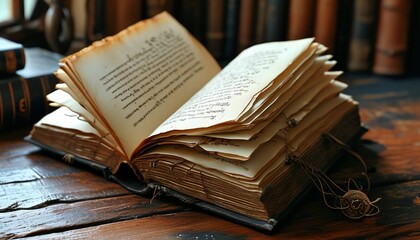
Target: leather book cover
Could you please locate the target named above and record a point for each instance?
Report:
(23, 94)
(247, 18)
(12, 56)
(363, 35)
(301, 19)
(121, 14)
(276, 14)
(260, 21)
(326, 23)
(392, 38)
(215, 27)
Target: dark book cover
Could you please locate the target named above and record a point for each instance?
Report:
(215, 27)
(276, 15)
(12, 56)
(363, 35)
(23, 95)
(231, 29)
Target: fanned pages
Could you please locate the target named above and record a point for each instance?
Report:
(154, 98)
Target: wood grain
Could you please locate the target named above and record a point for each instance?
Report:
(94, 212)
(44, 198)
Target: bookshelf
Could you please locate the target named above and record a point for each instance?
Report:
(374, 36)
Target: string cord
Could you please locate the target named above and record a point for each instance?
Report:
(353, 203)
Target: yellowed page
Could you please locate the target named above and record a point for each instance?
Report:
(139, 77)
(66, 119)
(61, 98)
(229, 93)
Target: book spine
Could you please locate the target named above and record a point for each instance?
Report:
(276, 20)
(301, 19)
(231, 28)
(326, 22)
(392, 38)
(154, 7)
(121, 14)
(362, 37)
(23, 101)
(260, 21)
(215, 27)
(247, 20)
(12, 60)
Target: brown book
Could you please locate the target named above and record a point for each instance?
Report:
(121, 14)
(392, 37)
(247, 20)
(326, 22)
(23, 94)
(363, 35)
(260, 21)
(215, 27)
(221, 139)
(301, 19)
(154, 7)
(12, 56)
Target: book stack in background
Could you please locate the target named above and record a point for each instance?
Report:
(26, 77)
(376, 36)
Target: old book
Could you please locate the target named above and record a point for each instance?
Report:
(326, 22)
(231, 29)
(301, 19)
(215, 27)
(363, 35)
(247, 18)
(392, 37)
(154, 7)
(121, 14)
(12, 56)
(260, 21)
(23, 94)
(276, 15)
(218, 139)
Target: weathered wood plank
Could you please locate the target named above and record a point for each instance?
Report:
(14, 148)
(399, 218)
(60, 217)
(391, 110)
(185, 225)
(33, 166)
(68, 188)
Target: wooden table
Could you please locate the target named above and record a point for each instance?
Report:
(44, 198)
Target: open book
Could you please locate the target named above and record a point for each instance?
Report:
(153, 98)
